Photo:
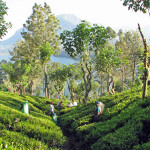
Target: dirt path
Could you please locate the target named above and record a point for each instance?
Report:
(72, 143)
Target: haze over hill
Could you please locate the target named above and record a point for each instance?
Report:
(67, 22)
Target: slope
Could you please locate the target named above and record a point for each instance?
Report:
(124, 124)
(21, 131)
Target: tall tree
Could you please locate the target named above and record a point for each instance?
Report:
(121, 44)
(135, 47)
(41, 29)
(108, 59)
(82, 43)
(21, 51)
(144, 6)
(131, 45)
(3, 24)
(145, 61)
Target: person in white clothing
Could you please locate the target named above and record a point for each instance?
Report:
(98, 110)
(74, 103)
(69, 104)
(52, 108)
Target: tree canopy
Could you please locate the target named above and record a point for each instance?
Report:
(3, 24)
(137, 5)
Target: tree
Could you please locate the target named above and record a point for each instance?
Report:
(51, 68)
(2, 72)
(45, 53)
(3, 24)
(135, 47)
(131, 45)
(22, 52)
(121, 44)
(71, 73)
(145, 61)
(59, 79)
(108, 59)
(41, 30)
(17, 73)
(82, 43)
(140, 5)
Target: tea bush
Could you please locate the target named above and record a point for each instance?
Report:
(122, 125)
(34, 131)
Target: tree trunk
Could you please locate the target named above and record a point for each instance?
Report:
(113, 86)
(102, 91)
(24, 90)
(31, 88)
(87, 77)
(145, 54)
(108, 83)
(71, 92)
(59, 94)
(123, 72)
(48, 91)
(133, 76)
(46, 84)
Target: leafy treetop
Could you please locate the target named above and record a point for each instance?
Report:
(141, 5)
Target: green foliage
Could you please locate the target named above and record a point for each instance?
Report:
(122, 125)
(3, 24)
(108, 58)
(142, 5)
(45, 52)
(34, 131)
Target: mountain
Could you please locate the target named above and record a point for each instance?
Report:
(66, 22)
(12, 40)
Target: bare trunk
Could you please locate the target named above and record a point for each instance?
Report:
(46, 84)
(31, 88)
(71, 92)
(48, 91)
(15, 89)
(102, 88)
(24, 90)
(113, 86)
(123, 72)
(59, 94)
(108, 83)
(133, 75)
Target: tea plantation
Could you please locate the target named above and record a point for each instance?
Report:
(123, 125)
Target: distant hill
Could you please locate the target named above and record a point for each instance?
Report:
(66, 21)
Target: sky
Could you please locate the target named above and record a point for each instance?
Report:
(106, 12)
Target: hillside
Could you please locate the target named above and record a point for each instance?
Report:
(124, 124)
